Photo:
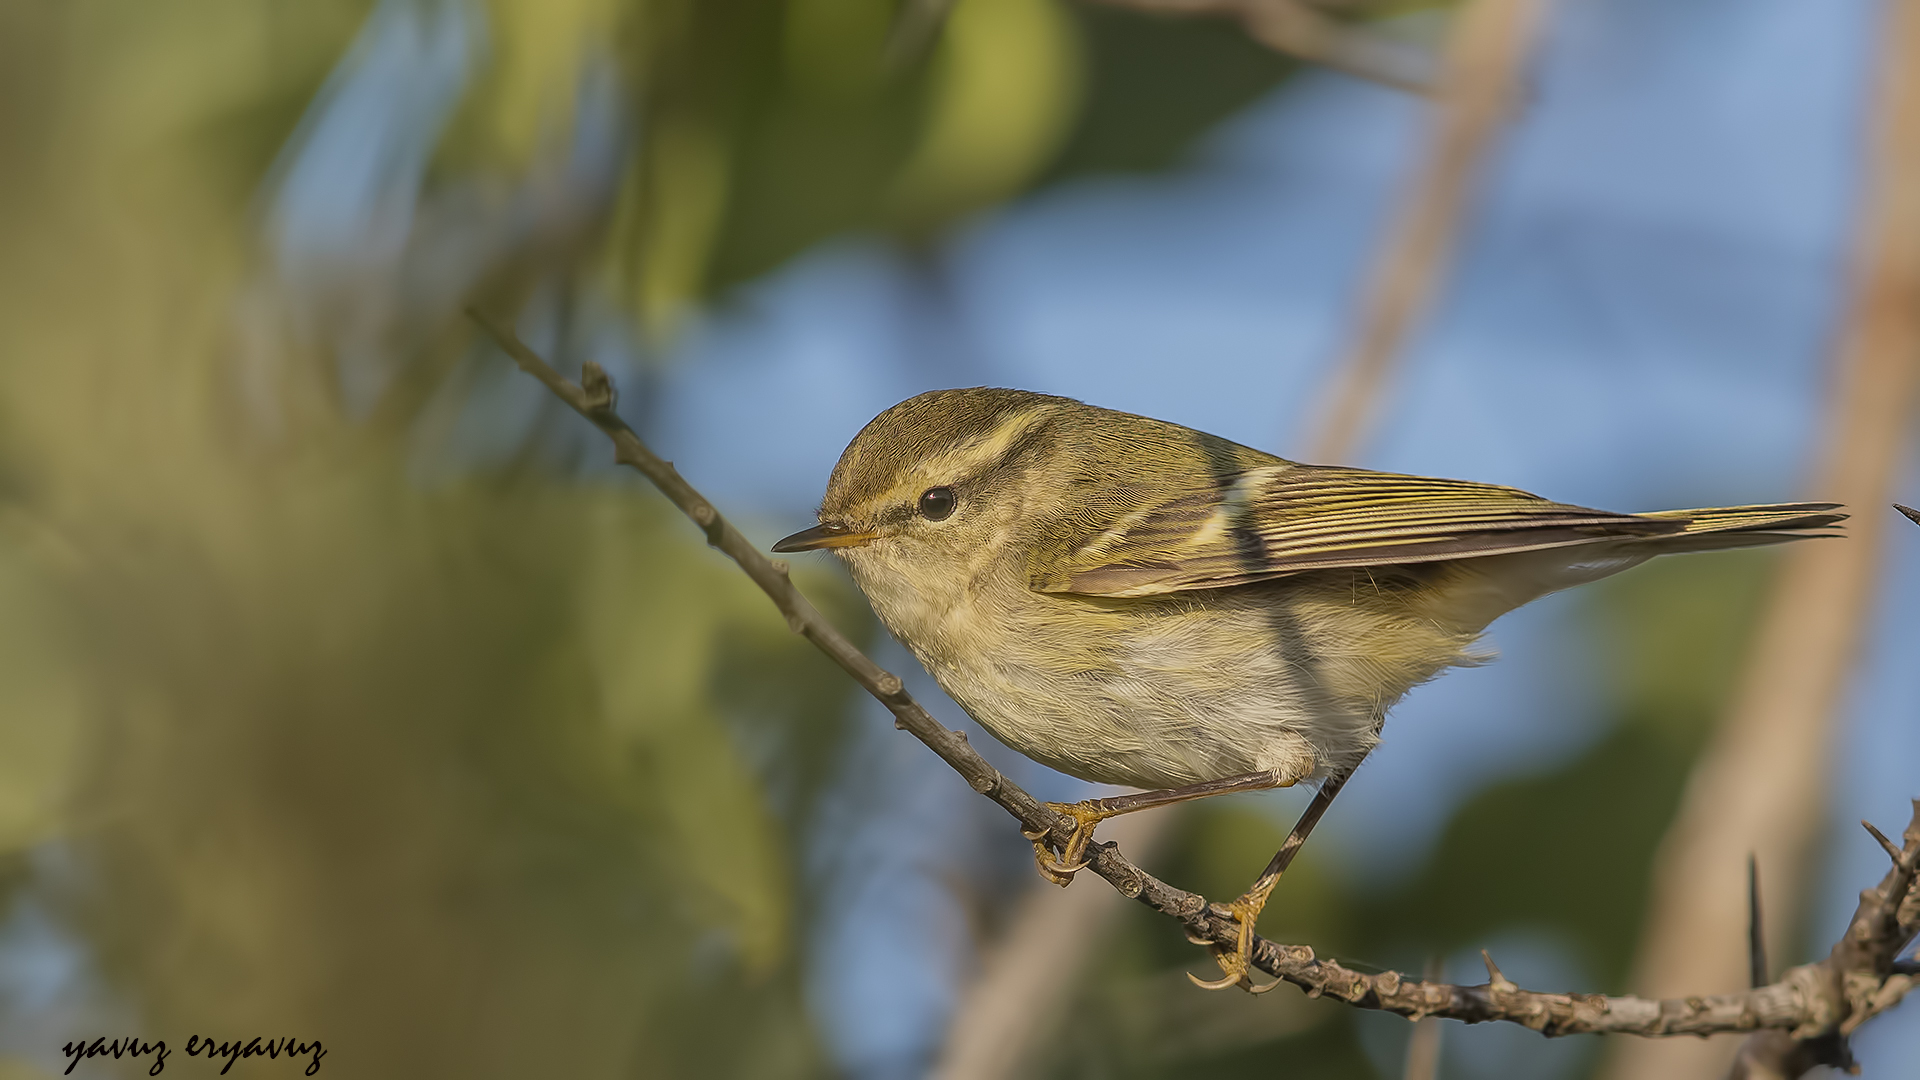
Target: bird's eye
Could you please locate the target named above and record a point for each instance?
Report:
(937, 504)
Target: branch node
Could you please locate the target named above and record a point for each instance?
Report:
(601, 394)
(889, 684)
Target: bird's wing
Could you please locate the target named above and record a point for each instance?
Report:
(1283, 519)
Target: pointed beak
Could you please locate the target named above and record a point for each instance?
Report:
(823, 535)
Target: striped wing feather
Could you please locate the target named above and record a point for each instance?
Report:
(1285, 519)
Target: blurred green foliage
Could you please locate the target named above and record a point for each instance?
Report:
(765, 126)
(506, 775)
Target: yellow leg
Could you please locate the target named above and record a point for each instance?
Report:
(1089, 814)
(1236, 964)
(1073, 858)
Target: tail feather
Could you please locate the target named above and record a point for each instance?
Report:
(1743, 526)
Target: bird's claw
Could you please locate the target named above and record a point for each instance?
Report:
(1237, 963)
(1074, 857)
(1216, 984)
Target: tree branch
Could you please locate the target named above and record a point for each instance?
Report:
(1289, 27)
(1295, 29)
(1857, 981)
(1486, 53)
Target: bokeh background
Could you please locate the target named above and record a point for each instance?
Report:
(347, 692)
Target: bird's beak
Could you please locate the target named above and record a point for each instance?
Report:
(823, 535)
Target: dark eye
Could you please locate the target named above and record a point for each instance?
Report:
(937, 503)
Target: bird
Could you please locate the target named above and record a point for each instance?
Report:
(1137, 603)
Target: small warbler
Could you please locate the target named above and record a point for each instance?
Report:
(1134, 602)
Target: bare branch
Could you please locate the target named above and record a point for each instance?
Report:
(1808, 1001)
(914, 29)
(1298, 30)
(1423, 1047)
(1290, 27)
(1756, 931)
(1486, 49)
(1026, 978)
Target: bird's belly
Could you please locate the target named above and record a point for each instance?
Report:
(1156, 713)
(1174, 690)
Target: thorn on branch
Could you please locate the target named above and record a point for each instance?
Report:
(1912, 514)
(1892, 849)
(1496, 981)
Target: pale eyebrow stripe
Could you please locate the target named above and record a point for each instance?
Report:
(988, 449)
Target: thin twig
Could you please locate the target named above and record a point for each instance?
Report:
(1808, 1000)
(1298, 30)
(1486, 52)
(1289, 27)
(1026, 978)
(915, 28)
(1423, 1048)
(1756, 931)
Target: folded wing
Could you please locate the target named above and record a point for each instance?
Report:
(1284, 519)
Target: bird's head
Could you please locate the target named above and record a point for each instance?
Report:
(938, 480)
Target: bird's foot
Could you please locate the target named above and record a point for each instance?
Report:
(1236, 963)
(1073, 858)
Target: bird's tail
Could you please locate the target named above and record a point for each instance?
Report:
(1744, 526)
